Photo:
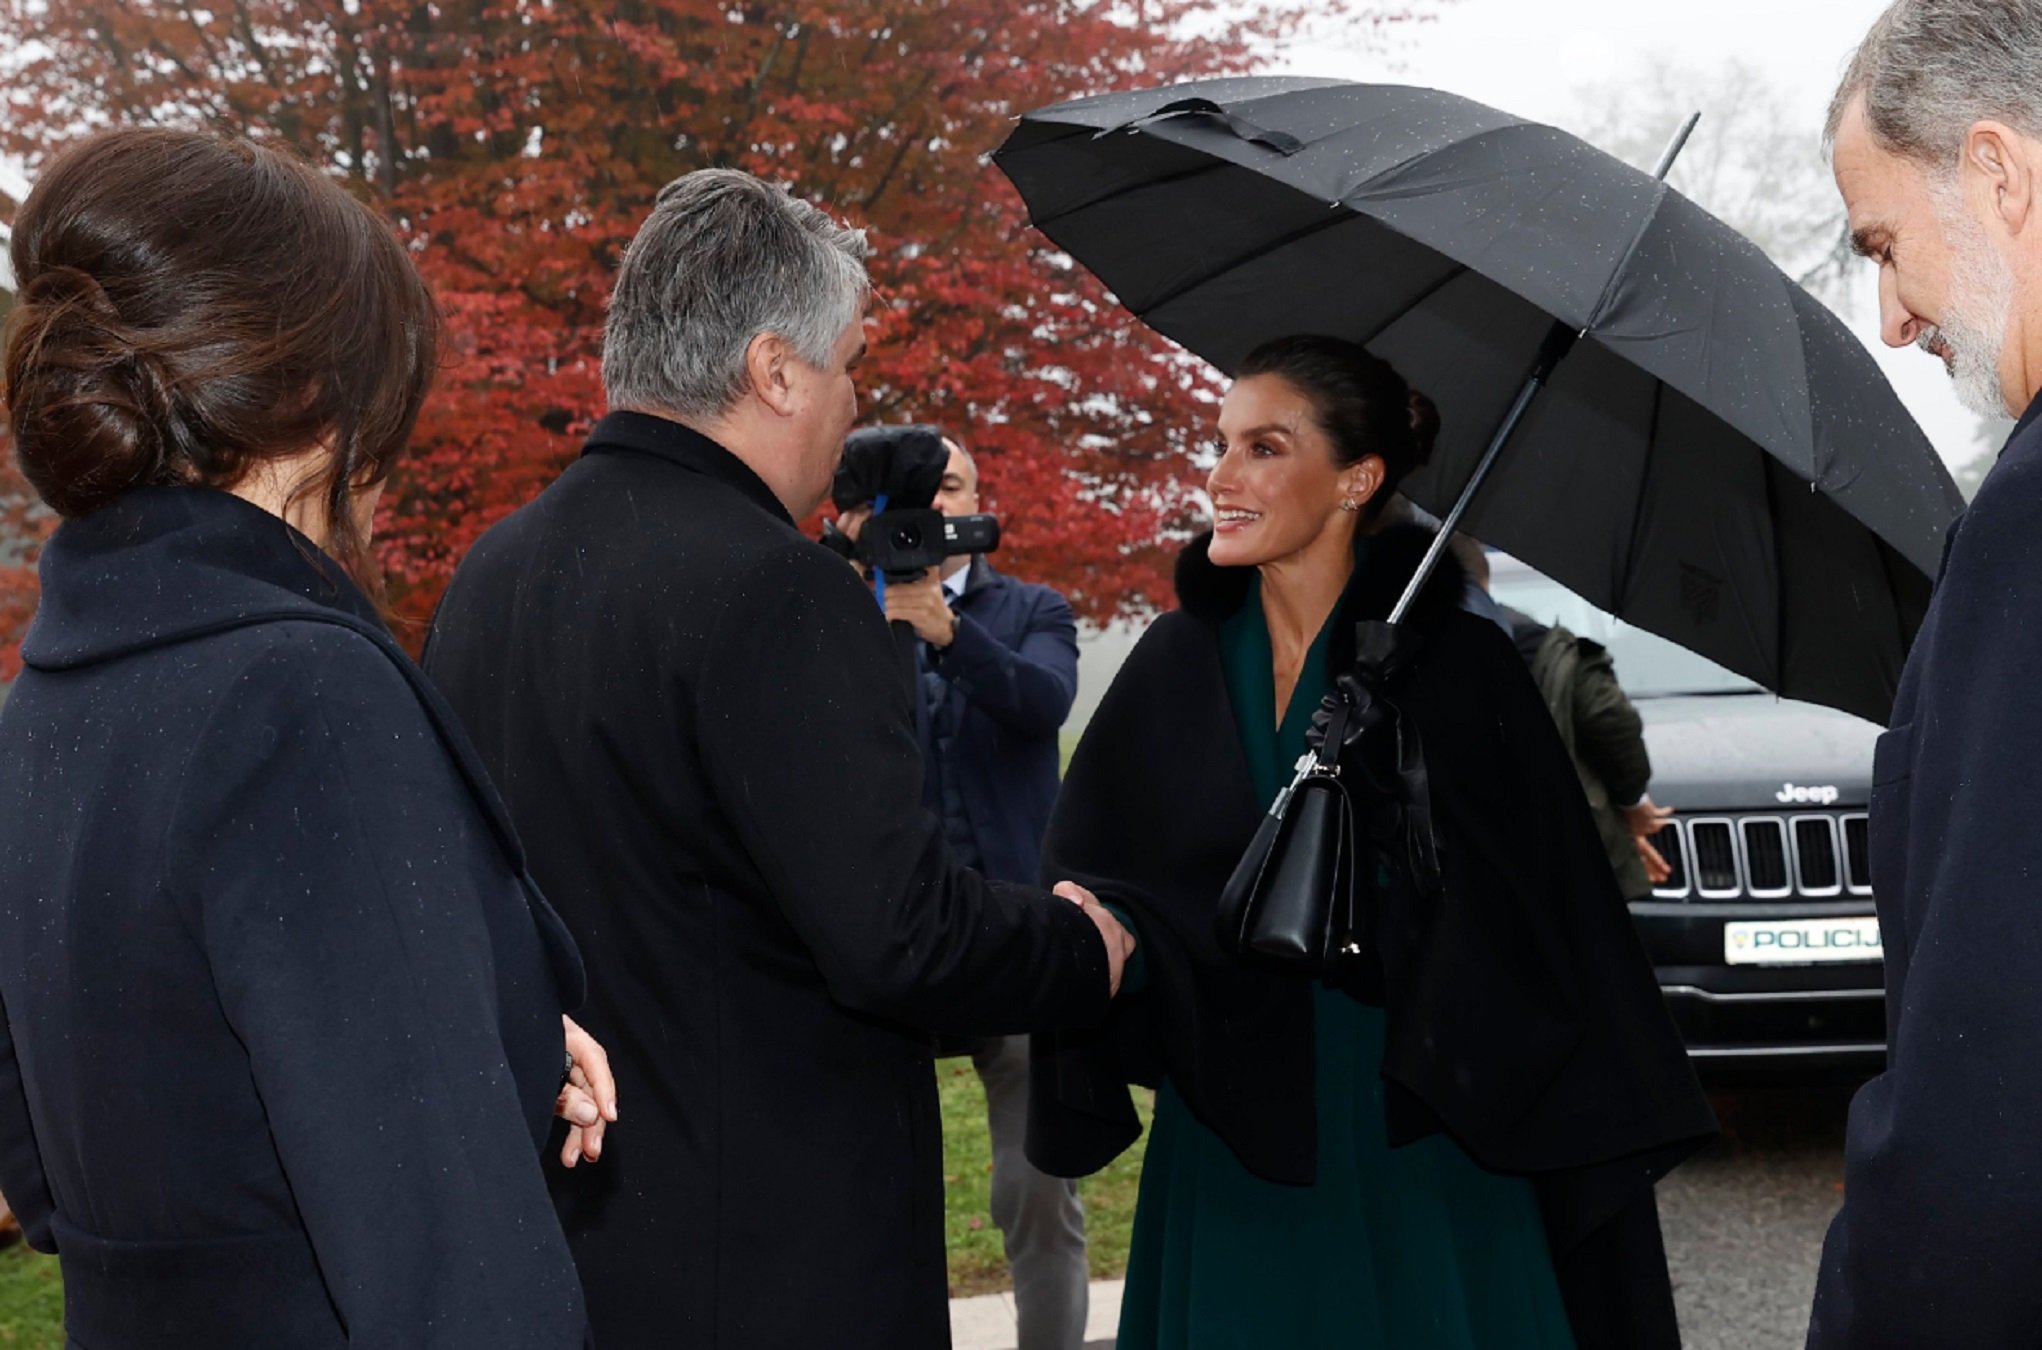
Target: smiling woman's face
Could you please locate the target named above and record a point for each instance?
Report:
(1276, 489)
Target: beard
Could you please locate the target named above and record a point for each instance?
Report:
(1973, 333)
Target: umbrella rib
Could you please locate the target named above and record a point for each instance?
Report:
(1183, 175)
(1773, 469)
(1630, 568)
(1264, 250)
(1451, 275)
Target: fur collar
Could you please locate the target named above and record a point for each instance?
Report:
(1387, 562)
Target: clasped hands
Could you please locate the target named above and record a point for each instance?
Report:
(1119, 942)
(588, 1097)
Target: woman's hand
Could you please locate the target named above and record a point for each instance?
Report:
(588, 1099)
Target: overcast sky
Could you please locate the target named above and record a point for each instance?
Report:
(1532, 56)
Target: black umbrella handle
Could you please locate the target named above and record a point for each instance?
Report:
(1552, 351)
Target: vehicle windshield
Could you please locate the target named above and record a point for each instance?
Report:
(1648, 666)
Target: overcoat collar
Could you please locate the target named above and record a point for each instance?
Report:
(164, 565)
(2027, 418)
(664, 438)
(977, 577)
(1385, 562)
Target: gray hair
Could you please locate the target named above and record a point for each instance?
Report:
(1930, 69)
(723, 258)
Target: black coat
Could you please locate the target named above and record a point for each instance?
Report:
(1941, 1224)
(1012, 674)
(1522, 1018)
(705, 733)
(283, 1009)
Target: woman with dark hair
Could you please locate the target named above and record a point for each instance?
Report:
(283, 1010)
(1455, 1149)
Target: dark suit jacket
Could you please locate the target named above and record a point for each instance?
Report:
(282, 1009)
(1012, 669)
(1942, 1216)
(701, 724)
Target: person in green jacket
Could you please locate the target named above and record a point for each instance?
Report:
(1601, 729)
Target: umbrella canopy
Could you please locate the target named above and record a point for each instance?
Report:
(1719, 460)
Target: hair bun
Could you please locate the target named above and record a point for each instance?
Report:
(88, 404)
(1424, 427)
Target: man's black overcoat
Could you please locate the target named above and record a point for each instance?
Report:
(703, 729)
(1937, 1244)
(1523, 1019)
(283, 1009)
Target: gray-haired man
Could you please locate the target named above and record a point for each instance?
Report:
(697, 718)
(1937, 135)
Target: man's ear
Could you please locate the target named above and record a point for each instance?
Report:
(769, 361)
(2006, 161)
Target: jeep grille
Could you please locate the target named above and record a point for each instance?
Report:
(1765, 857)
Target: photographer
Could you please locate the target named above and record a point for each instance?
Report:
(996, 667)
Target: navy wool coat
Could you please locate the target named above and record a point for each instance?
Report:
(1012, 669)
(706, 736)
(1937, 1242)
(282, 1009)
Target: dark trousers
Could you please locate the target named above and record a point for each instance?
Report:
(1039, 1215)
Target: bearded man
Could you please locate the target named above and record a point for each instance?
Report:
(1937, 148)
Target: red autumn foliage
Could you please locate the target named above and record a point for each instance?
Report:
(517, 143)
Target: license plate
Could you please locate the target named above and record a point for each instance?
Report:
(1801, 942)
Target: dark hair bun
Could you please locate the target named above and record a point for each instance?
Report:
(193, 306)
(1362, 404)
(91, 407)
(1424, 428)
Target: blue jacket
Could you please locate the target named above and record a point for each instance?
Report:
(1942, 1215)
(282, 1004)
(1012, 671)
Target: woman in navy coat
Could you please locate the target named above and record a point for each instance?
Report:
(283, 1011)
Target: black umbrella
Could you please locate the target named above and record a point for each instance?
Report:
(1717, 459)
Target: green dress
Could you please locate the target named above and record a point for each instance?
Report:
(1415, 1248)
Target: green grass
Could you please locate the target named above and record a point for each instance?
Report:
(977, 1263)
(32, 1295)
(31, 1301)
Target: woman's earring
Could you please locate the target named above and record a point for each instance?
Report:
(1348, 504)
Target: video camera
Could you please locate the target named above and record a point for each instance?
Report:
(897, 470)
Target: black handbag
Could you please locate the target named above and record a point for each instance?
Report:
(1302, 897)
(1292, 899)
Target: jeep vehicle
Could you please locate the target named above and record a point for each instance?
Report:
(1764, 938)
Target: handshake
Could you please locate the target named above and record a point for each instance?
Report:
(1119, 942)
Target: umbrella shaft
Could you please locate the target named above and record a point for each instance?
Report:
(1556, 346)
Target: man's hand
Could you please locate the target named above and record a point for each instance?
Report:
(922, 604)
(1119, 942)
(1657, 869)
(1646, 819)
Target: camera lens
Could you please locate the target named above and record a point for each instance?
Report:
(907, 538)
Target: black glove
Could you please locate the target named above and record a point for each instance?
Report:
(1379, 751)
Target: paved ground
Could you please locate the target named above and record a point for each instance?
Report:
(1744, 1225)
(987, 1322)
(1744, 1221)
